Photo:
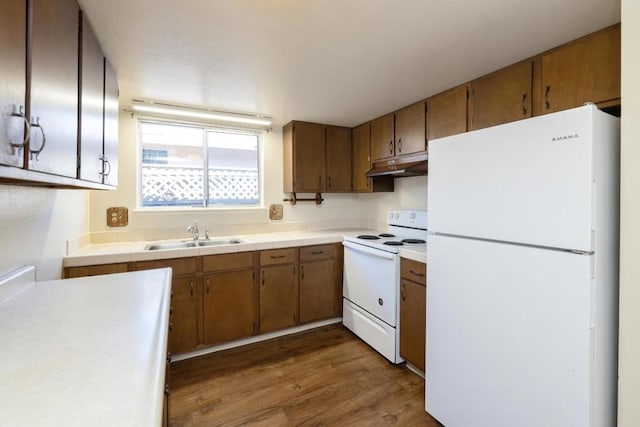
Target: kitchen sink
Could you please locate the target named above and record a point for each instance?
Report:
(219, 242)
(191, 244)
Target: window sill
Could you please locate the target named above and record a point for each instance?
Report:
(182, 210)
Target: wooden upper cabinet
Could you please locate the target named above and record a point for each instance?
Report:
(501, 97)
(304, 157)
(382, 137)
(54, 71)
(447, 113)
(90, 143)
(13, 23)
(410, 129)
(361, 138)
(587, 70)
(338, 172)
(110, 160)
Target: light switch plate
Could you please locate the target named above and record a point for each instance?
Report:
(275, 212)
(117, 217)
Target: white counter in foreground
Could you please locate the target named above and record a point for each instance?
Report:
(85, 352)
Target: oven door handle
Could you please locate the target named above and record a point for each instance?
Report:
(369, 251)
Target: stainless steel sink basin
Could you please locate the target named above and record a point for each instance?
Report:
(175, 245)
(219, 242)
(190, 244)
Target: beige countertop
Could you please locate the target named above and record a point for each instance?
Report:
(134, 251)
(85, 352)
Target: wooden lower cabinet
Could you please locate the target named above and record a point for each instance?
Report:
(320, 282)
(95, 270)
(317, 291)
(183, 322)
(413, 312)
(278, 297)
(229, 306)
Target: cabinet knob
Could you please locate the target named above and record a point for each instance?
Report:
(402, 292)
(400, 145)
(168, 357)
(390, 147)
(524, 104)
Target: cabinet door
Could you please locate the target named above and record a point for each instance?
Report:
(410, 130)
(110, 168)
(91, 104)
(501, 97)
(317, 290)
(413, 321)
(308, 157)
(382, 138)
(54, 70)
(278, 297)
(587, 70)
(229, 306)
(361, 138)
(13, 32)
(338, 143)
(110, 133)
(183, 333)
(447, 113)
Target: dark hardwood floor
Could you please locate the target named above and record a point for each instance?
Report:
(323, 377)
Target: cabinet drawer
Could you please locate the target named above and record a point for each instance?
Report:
(312, 253)
(180, 266)
(414, 271)
(278, 256)
(227, 261)
(95, 270)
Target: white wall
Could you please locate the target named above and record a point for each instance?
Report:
(35, 224)
(629, 358)
(337, 210)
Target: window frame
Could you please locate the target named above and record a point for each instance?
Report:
(205, 127)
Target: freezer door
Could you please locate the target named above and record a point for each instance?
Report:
(508, 335)
(530, 181)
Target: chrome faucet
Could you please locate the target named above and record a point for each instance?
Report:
(206, 234)
(193, 229)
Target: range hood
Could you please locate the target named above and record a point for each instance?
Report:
(401, 166)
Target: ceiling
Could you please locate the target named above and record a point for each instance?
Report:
(341, 62)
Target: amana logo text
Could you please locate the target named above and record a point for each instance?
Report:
(565, 137)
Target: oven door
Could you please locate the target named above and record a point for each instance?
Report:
(371, 280)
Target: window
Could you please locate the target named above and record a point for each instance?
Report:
(195, 166)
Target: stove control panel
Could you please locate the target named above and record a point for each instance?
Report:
(408, 218)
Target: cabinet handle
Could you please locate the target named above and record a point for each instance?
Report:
(390, 147)
(317, 252)
(415, 273)
(524, 105)
(170, 311)
(302, 272)
(106, 166)
(277, 256)
(263, 277)
(207, 286)
(402, 290)
(167, 391)
(44, 139)
(20, 114)
(328, 182)
(191, 287)
(546, 97)
(168, 357)
(400, 145)
(170, 326)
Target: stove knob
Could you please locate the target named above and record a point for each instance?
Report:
(380, 301)
(390, 215)
(413, 215)
(397, 215)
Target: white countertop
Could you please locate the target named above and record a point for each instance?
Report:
(134, 251)
(85, 352)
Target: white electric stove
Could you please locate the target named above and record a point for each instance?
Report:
(371, 284)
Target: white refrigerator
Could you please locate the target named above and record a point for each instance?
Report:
(522, 286)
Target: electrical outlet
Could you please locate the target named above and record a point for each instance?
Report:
(275, 212)
(117, 217)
